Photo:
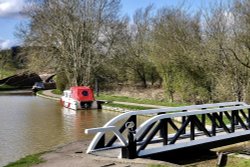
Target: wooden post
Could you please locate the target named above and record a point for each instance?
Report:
(222, 159)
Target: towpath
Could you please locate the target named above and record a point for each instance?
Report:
(73, 155)
(49, 94)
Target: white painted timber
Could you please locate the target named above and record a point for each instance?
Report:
(150, 121)
(103, 130)
(126, 115)
(191, 143)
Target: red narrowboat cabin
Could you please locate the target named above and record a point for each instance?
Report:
(80, 97)
(82, 93)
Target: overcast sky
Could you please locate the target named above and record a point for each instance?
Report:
(10, 16)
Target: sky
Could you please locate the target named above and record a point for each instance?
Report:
(10, 16)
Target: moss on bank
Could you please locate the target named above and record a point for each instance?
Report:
(27, 161)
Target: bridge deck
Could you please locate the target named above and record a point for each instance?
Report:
(202, 141)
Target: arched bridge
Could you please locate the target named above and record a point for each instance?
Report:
(174, 129)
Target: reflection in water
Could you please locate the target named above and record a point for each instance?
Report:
(30, 124)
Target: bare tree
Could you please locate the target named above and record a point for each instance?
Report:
(226, 51)
(4, 59)
(175, 49)
(74, 37)
(137, 52)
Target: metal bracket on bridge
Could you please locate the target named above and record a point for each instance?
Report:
(130, 126)
(130, 151)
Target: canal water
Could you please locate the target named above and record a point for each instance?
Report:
(31, 124)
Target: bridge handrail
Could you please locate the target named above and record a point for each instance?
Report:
(144, 125)
(99, 135)
(169, 109)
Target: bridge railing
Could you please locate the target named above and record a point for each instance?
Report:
(161, 119)
(222, 124)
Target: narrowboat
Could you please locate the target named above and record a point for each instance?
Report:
(80, 97)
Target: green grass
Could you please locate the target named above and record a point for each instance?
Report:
(6, 73)
(57, 92)
(137, 100)
(27, 161)
(129, 107)
(239, 162)
(4, 87)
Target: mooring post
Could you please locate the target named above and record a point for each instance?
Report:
(130, 150)
(222, 159)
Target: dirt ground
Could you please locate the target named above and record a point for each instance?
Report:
(73, 155)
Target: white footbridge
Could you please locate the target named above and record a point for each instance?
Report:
(173, 129)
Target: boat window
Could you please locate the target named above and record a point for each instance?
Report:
(85, 93)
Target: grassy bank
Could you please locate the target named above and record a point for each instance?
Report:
(27, 161)
(232, 161)
(110, 97)
(137, 100)
(239, 162)
(7, 87)
(6, 73)
(57, 92)
(129, 107)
